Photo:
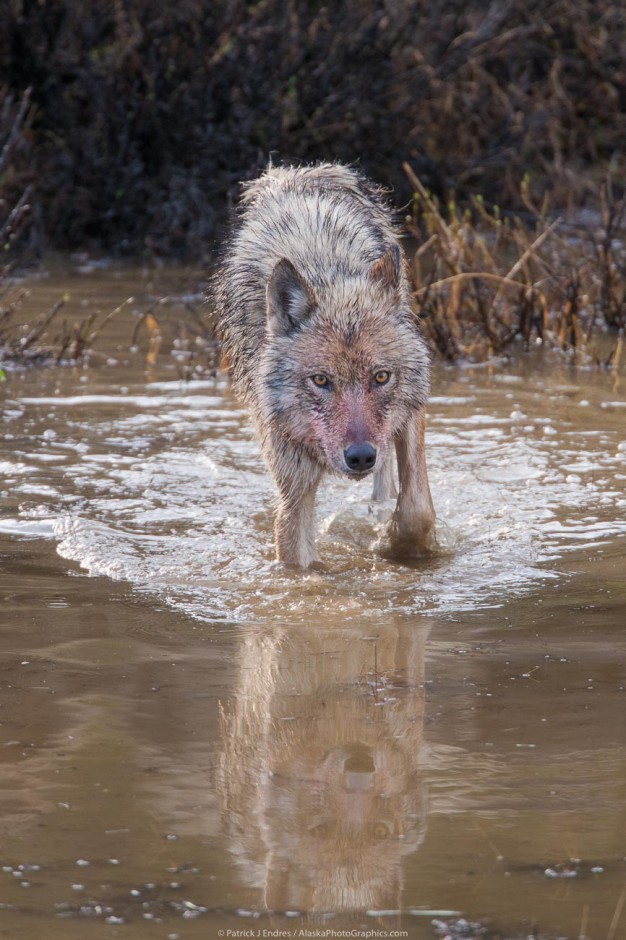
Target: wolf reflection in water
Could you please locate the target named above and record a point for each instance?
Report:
(319, 774)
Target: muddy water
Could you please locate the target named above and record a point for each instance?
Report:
(194, 740)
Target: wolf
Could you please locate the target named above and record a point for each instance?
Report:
(314, 314)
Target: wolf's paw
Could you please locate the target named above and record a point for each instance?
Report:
(407, 540)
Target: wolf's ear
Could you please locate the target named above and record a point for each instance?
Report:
(386, 271)
(290, 300)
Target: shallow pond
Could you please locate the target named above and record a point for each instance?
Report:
(195, 740)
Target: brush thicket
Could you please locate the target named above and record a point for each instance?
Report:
(486, 281)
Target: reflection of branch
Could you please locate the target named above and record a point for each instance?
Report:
(616, 916)
(192, 339)
(144, 317)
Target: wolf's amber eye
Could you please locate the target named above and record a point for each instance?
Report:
(382, 376)
(321, 380)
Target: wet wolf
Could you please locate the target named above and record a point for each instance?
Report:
(313, 305)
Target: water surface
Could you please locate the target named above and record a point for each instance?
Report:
(195, 739)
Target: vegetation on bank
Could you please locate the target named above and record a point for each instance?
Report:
(485, 285)
(486, 282)
(143, 117)
(125, 126)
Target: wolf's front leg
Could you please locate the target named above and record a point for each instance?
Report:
(411, 531)
(297, 478)
(384, 483)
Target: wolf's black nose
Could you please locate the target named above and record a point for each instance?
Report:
(360, 457)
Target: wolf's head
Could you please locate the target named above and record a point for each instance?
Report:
(344, 364)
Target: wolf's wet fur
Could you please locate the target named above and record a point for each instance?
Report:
(315, 317)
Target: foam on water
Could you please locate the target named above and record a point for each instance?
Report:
(163, 486)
